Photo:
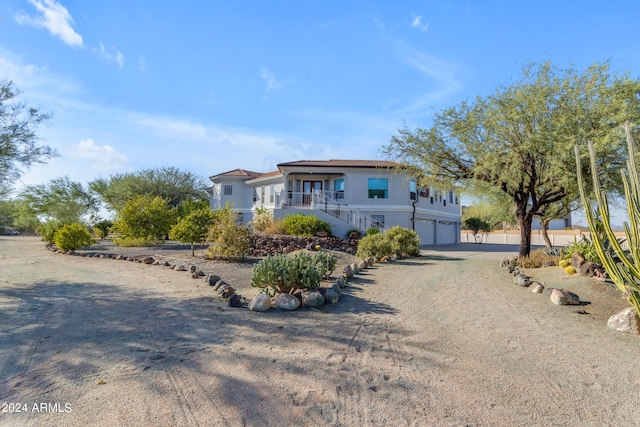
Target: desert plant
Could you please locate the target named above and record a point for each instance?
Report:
(625, 273)
(73, 236)
(536, 259)
(304, 225)
(372, 230)
(374, 245)
(325, 262)
(476, 225)
(193, 228)
(286, 274)
(585, 247)
(403, 240)
(262, 220)
(231, 242)
(48, 230)
(102, 228)
(144, 219)
(570, 270)
(351, 232)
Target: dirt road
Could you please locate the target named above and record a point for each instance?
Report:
(441, 340)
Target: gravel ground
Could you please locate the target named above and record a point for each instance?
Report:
(445, 339)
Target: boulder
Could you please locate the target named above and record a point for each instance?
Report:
(312, 299)
(336, 288)
(536, 287)
(262, 302)
(591, 269)
(192, 268)
(287, 302)
(577, 259)
(348, 272)
(180, 267)
(331, 296)
(562, 297)
(625, 321)
(522, 280)
(511, 268)
(371, 261)
(341, 282)
(212, 279)
(362, 265)
(218, 284)
(355, 268)
(148, 260)
(504, 263)
(235, 300)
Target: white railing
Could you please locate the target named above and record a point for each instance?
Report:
(305, 200)
(325, 203)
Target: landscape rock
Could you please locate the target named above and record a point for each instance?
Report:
(510, 268)
(148, 260)
(522, 280)
(348, 271)
(355, 268)
(312, 299)
(336, 288)
(212, 279)
(562, 297)
(591, 269)
(341, 282)
(235, 300)
(287, 302)
(218, 284)
(261, 302)
(504, 263)
(625, 321)
(180, 267)
(362, 265)
(331, 296)
(577, 259)
(536, 287)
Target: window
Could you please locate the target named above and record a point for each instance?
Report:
(450, 196)
(272, 192)
(338, 188)
(378, 220)
(413, 192)
(262, 195)
(378, 188)
(255, 195)
(228, 190)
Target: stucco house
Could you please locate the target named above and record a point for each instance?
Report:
(345, 193)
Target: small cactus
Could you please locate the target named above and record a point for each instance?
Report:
(571, 270)
(564, 263)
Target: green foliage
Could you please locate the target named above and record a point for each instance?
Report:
(193, 228)
(372, 230)
(19, 146)
(102, 228)
(304, 225)
(229, 240)
(403, 240)
(355, 230)
(61, 199)
(285, 274)
(494, 208)
(623, 268)
(48, 230)
(476, 225)
(262, 220)
(585, 247)
(73, 236)
(325, 262)
(142, 221)
(374, 245)
(537, 258)
(169, 183)
(519, 139)
(190, 205)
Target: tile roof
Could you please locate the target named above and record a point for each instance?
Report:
(343, 163)
(239, 172)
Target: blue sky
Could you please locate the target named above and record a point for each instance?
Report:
(213, 86)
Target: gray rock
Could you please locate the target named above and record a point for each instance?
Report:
(312, 299)
(536, 287)
(355, 268)
(577, 259)
(287, 302)
(522, 280)
(262, 302)
(218, 284)
(192, 268)
(371, 261)
(331, 296)
(180, 267)
(212, 279)
(510, 268)
(362, 265)
(342, 282)
(235, 300)
(504, 263)
(625, 321)
(148, 260)
(336, 288)
(348, 272)
(562, 297)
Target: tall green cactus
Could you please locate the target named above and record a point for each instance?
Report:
(625, 273)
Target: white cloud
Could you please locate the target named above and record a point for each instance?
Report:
(103, 158)
(270, 80)
(417, 23)
(112, 54)
(55, 18)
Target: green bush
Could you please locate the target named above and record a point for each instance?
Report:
(372, 230)
(353, 230)
(193, 227)
(374, 245)
(397, 240)
(403, 240)
(285, 274)
(48, 230)
(304, 225)
(73, 236)
(102, 228)
(144, 219)
(262, 220)
(585, 247)
(536, 259)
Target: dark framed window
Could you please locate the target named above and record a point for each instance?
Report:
(228, 190)
(378, 188)
(413, 192)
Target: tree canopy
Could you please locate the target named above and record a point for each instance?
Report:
(169, 183)
(520, 138)
(19, 143)
(60, 199)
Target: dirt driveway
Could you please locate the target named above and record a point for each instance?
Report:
(441, 340)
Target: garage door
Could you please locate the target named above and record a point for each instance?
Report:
(446, 232)
(426, 231)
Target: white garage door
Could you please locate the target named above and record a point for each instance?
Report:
(426, 231)
(446, 232)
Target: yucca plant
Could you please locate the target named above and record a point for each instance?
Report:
(625, 273)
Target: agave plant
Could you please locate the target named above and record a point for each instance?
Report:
(625, 273)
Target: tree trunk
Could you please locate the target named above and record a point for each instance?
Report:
(545, 235)
(525, 234)
(193, 251)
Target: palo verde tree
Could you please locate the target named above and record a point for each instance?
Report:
(61, 199)
(19, 143)
(169, 183)
(520, 139)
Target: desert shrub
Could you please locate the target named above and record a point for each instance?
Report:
(325, 262)
(193, 228)
(48, 230)
(262, 220)
(372, 230)
(144, 219)
(570, 270)
(585, 247)
(133, 242)
(285, 274)
(564, 263)
(102, 228)
(355, 230)
(73, 236)
(229, 240)
(374, 245)
(403, 240)
(304, 225)
(536, 259)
